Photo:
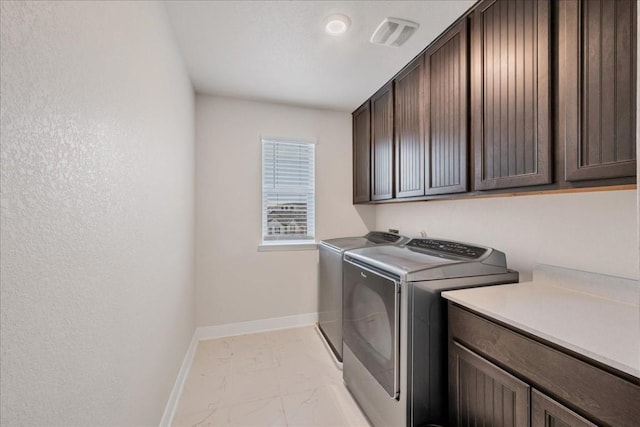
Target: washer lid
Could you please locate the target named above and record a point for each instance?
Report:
(431, 259)
(398, 260)
(371, 239)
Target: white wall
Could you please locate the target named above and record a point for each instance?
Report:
(235, 282)
(588, 231)
(97, 213)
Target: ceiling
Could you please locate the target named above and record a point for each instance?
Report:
(278, 51)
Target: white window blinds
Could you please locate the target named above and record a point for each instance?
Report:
(288, 191)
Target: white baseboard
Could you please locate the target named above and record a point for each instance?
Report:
(219, 331)
(183, 373)
(253, 326)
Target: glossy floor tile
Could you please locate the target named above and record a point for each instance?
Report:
(279, 378)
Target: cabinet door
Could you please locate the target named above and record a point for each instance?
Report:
(546, 412)
(361, 153)
(409, 130)
(447, 99)
(510, 93)
(382, 144)
(483, 394)
(597, 88)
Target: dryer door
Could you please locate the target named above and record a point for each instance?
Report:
(371, 323)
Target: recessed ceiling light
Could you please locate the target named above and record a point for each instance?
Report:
(337, 24)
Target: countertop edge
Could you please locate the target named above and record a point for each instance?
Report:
(597, 357)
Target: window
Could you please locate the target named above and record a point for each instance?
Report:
(288, 192)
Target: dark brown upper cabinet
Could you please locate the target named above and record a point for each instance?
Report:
(597, 88)
(361, 153)
(409, 130)
(382, 144)
(446, 106)
(510, 102)
(515, 96)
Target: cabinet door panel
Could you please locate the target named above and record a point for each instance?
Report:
(361, 153)
(510, 93)
(546, 412)
(409, 131)
(382, 144)
(482, 394)
(446, 96)
(597, 88)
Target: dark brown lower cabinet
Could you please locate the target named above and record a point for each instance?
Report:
(486, 395)
(546, 412)
(493, 370)
(483, 394)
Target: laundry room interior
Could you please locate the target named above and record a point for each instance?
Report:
(319, 213)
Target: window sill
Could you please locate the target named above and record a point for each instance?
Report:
(273, 247)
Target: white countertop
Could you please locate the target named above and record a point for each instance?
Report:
(594, 315)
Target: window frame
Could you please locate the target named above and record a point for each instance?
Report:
(284, 244)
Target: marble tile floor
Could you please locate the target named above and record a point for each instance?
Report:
(278, 378)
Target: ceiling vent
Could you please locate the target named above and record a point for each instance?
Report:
(393, 32)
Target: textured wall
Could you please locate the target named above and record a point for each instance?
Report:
(235, 282)
(97, 213)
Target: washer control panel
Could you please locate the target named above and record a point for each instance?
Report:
(447, 247)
